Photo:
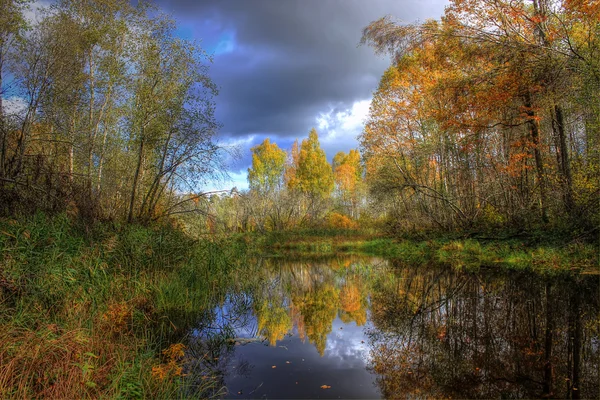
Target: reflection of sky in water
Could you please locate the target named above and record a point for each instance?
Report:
(300, 370)
(430, 333)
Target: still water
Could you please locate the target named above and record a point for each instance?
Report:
(357, 327)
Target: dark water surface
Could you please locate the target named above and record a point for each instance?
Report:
(356, 327)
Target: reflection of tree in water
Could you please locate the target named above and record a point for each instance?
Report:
(318, 309)
(273, 320)
(210, 348)
(309, 294)
(440, 334)
(353, 301)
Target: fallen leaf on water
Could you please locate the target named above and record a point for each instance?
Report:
(287, 362)
(274, 366)
(325, 387)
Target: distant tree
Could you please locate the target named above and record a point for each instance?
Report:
(348, 172)
(313, 174)
(268, 164)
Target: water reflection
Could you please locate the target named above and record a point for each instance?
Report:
(364, 328)
(446, 334)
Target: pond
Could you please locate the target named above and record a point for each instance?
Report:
(360, 327)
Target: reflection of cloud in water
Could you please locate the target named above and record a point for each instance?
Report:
(344, 345)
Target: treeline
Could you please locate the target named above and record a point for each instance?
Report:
(489, 117)
(104, 112)
(291, 189)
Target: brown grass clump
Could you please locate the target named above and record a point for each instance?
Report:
(51, 363)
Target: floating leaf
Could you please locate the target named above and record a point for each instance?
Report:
(274, 366)
(325, 387)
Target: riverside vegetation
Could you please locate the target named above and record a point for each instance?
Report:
(94, 312)
(480, 152)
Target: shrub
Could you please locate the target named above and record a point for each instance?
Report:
(340, 221)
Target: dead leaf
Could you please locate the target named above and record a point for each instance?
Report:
(287, 362)
(325, 387)
(274, 366)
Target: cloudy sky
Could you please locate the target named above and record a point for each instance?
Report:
(285, 66)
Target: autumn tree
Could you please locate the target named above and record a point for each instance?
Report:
(12, 26)
(348, 176)
(268, 163)
(115, 116)
(470, 121)
(312, 176)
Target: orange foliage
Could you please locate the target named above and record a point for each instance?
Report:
(350, 298)
(174, 355)
(117, 318)
(340, 221)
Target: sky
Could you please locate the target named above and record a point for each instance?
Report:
(286, 66)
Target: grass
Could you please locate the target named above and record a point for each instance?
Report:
(544, 257)
(87, 313)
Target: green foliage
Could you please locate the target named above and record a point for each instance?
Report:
(115, 103)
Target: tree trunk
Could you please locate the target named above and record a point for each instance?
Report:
(575, 330)
(563, 156)
(135, 179)
(537, 154)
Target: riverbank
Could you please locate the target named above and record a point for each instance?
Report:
(88, 312)
(546, 257)
(102, 310)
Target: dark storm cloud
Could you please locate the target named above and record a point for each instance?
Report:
(279, 63)
(283, 64)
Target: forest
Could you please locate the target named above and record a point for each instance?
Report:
(482, 122)
(481, 150)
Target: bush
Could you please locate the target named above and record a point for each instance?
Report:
(340, 221)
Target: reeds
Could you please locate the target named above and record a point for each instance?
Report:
(86, 313)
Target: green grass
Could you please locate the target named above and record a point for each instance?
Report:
(86, 312)
(542, 256)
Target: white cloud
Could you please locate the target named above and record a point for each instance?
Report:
(335, 124)
(14, 105)
(33, 13)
